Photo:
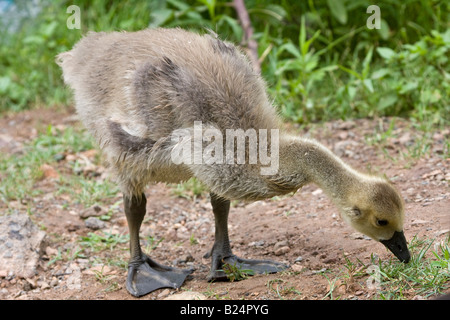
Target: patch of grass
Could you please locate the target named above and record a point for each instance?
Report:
(192, 240)
(281, 288)
(104, 241)
(20, 172)
(87, 191)
(68, 255)
(106, 279)
(420, 147)
(151, 243)
(381, 135)
(210, 293)
(57, 257)
(117, 261)
(427, 274)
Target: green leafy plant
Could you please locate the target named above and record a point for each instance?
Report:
(236, 273)
(105, 241)
(427, 274)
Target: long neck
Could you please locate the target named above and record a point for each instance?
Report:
(318, 165)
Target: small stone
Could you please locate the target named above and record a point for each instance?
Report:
(299, 259)
(44, 285)
(54, 282)
(50, 252)
(438, 136)
(282, 250)
(72, 226)
(405, 139)
(83, 263)
(31, 282)
(319, 271)
(94, 223)
(359, 236)
(297, 267)
(356, 236)
(346, 125)
(343, 135)
(419, 222)
(330, 260)
(94, 211)
(27, 286)
(441, 232)
(71, 157)
(431, 174)
(163, 293)
(259, 243)
(89, 153)
(187, 295)
(177, 226)
(280, 244)
(187, 258)
(183, 233)
(21, 245)
(342, 148)
(4, 293)
(171, 234)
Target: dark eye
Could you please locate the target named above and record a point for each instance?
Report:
(356, 211)
(382, 223)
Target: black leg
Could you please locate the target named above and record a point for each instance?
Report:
(144, 274)
(221, 251)
(135, 212)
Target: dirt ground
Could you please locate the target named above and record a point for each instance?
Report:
(303, 230)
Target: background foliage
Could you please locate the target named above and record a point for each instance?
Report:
(318, 57)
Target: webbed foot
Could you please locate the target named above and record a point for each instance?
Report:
(146, 275)
(244, 266)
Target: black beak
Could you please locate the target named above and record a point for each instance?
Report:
(397, 245)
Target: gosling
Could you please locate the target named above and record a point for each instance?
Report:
(134, 91)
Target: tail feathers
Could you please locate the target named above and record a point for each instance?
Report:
(127, 142)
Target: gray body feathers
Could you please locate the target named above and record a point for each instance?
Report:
(133, 89)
